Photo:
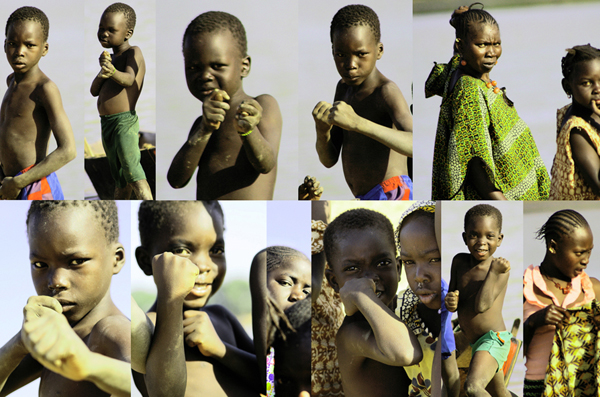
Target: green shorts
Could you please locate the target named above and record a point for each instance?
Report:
(495, 343)
(120, 138)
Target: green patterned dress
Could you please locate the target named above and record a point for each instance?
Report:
(476, 122)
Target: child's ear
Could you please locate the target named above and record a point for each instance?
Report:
(464, 236)
(144, 261)
(119, 258)
(128, 34)
(500, 238)
(331, 279)
(566, 86)
(457, 46)
(379, 50)
(45, 51)
(246, 62)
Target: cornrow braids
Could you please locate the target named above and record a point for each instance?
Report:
(153, 215)
(106, 213)
(463, 18)
(29, 14)
(278, 255)
(355, 15)
(214, 21)
(575, 55)
(561, 223)
(124, 9)
(484, 210)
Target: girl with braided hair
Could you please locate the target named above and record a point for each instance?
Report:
(576, 167)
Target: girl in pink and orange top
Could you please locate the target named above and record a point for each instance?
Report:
(558, 283)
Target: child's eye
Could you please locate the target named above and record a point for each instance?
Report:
(408, 262)
(38, 265)
(350, 268)
(339, 55)
(78, 261)
(435, 260)
(306, 291)
(181, 251)
(217, 250)
(384, 263)
(285, 283)
(362, 54)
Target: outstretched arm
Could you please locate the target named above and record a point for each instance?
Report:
(398, 138)
(64, 152)
(495, 282)
(258, 122)
(387, 340)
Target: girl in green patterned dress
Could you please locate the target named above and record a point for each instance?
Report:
(483, 150)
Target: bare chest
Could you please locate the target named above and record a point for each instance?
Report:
(53, 385)
(21, 105)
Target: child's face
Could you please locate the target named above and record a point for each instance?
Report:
(213, 60)
(190, 233)
(573, 251)
(367, 253)
(112, 30)
(481, 48)
(355, 52)
(421, 259)
(585, 83)
(71, 260)
(24, 45)
(290, 282)
(482, 237)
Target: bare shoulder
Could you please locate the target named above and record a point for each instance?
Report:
(111, 337)
(390, 91)
(267, 100)
(136, 51)
(9, 78)
(596, 286)
(460, 259)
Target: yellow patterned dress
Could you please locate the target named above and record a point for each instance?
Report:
(567, 182)
(574, 369)
(476, 122)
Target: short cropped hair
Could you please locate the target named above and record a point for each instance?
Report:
(355, 15)
(124, 9)
(105, 212)
(214, 21)
(356, 219)
(153, 215)
(29, 14)
(484, 210)
(278, 255)
(462, 21)
(561, 223)
(575, 55)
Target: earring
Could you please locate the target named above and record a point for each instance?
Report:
(569, 96)
(552, 250)
(463, 62)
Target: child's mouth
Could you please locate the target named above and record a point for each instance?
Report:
(427, 298)
(201, 289)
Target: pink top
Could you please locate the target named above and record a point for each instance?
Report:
(538, 351)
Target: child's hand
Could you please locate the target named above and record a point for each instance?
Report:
(554, 315)
(52, 342)
(199, 331)
(9, 189)
(321, 115)
(310, 190)
(500, 266)
(248, 116)
(107, 68)
(352, 289)
(214, 109)
(451, 301)
(342, 115)
(174, 276)
(595, 108)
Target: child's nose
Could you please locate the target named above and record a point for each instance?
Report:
(57, 280)
(297, 294)
(351, 63)
(204, 263)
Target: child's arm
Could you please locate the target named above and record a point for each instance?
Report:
(388, 340)
(451, 376)
(141, 337)
(259, 125)
(166, 372)
(54, 344)
(104, 73)
(65, 142)
(199, 331)
(187, 158)
(451, 299)
(550, 315)
(343, 115)
(586, 159)
(495, 282)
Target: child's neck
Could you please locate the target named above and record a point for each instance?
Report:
(549, 269)
(367, 86)
(31, 74)
(121, 48)
(474, 262)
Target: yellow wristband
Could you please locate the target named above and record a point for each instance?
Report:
(247, 133)
(114, 71)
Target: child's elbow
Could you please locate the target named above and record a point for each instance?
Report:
(70, 153)
(409, 357)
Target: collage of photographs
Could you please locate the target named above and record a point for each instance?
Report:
(323, 174)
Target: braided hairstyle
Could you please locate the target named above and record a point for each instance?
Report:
(355, 15)
(105, 212)
(575, 55)
(464, 17)
(29, 14)
(561, 223)
(278, 255)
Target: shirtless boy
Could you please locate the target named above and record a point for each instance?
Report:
(234, 144)
(369, 118)
(197, 350)
(372, 344)
(31, 109)
(73, 336)
(477, 289)
(118, 86)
